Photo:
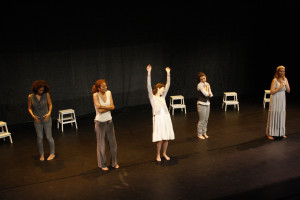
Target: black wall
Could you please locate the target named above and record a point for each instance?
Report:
(238, 46)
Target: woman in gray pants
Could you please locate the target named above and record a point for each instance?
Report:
(104, 126)
(203, 105)
(40, 108)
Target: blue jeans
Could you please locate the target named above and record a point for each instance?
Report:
(203, 112)
(47, 126)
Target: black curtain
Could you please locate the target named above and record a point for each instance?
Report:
(237, 47)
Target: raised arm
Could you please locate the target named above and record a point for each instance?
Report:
(149, 87)
(168, 82)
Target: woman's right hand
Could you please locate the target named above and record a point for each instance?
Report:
(149, 68)
(36, 119)
(282, 84)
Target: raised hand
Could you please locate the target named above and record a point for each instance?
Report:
(168, 69)
(149, 68)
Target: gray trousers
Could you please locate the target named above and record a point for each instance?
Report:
(47, 126)
(203, 112)
(106, 130)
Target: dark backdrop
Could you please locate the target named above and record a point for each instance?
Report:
(238, 46)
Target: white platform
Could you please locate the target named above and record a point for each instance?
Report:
(233, 102)
(70, 118)
(4, 131)
(180, 105)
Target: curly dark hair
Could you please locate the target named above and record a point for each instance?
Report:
(199, 75)
(38, 84)
(97, 85)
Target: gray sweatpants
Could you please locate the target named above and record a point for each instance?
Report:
(106, 130)
(47, 126)
(203, 112)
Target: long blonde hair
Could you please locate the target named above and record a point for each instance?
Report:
(277, 70)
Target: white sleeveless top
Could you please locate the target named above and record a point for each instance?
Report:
(103, 117)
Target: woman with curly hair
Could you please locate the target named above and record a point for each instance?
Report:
(277, 106)
(104, 126)
(162, 124)
(40, 108)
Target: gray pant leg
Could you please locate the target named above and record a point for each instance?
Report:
(110, 131)
(48, 133)
(203, 112)
(100, 129)
(39, 133)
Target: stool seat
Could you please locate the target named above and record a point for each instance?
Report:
(70, 118)
(180, 105)
(4, 131)
(266, 99)
(233, 102)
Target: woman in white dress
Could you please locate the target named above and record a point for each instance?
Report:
(277, 107)
(162, 124)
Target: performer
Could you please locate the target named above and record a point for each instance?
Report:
(40, 108)
(203, 105)
(104, 126)
(277, 106)
(162, 124)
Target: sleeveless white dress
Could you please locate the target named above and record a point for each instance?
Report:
(162, 124)
(277, 113)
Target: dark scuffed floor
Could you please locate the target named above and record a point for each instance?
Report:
(236, 162)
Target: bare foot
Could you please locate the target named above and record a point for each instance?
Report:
(205, 135)
(201, 137)
(166, 157)
(158, 159)
(42, 158)
(104, 169)
(117, 166)
(270, 137)
(51, 157)
(284, 136)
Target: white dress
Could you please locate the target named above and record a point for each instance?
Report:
(277, 112)
(162, 123)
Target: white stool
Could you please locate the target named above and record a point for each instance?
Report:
(66, 120)
(4, 131)
(234, 102)
(180, 105)
(266, 99)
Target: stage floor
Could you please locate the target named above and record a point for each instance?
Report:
(235, 162)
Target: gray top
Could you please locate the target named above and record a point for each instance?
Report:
(40, 107)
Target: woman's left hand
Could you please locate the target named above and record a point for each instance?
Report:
(46, 117)
(168, 69)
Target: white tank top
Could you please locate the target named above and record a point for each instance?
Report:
(103, 117)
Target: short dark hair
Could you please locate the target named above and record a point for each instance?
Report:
(199, 75)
